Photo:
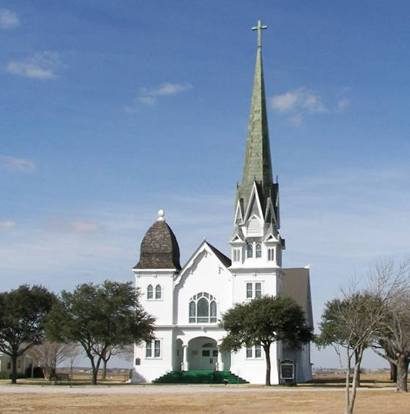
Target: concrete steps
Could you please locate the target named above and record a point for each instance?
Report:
(200, 377)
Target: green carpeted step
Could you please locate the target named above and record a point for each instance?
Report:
(199, 377)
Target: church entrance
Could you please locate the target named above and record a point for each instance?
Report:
(202, 354)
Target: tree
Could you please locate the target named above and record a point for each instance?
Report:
(50, 354)
(393, 339)
(22, 316)
(356, 319)
(99, 318)
(264, 321)
(350, 323)
(338, 334)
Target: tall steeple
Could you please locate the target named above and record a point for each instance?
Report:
(256, 242)
(258, 167)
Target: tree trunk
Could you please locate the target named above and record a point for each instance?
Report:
(356, 373)
(347, 383)
(351, 391)
(94, 370)
(104, 371)
(356, 358)
(393, 372)
(266, 348)
(14, 369)
(402, 373)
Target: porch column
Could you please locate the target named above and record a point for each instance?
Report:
(220, 362)
(185, 358)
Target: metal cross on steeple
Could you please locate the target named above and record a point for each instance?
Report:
(259, 27)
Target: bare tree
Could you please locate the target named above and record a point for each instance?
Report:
(50, 354)
(339, 335)
(392, 341)
(359, 317)
(360, 314)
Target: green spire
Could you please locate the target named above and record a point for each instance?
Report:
(258, 166)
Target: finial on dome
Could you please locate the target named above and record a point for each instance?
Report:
(161, 215)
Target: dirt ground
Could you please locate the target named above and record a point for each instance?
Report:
(324, 395)
(214, 400)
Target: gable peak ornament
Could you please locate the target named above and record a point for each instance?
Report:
(161, 215)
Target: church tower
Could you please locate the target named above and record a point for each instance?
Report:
(256, 242)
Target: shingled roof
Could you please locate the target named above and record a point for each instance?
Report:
(224, 259)
(159, 248)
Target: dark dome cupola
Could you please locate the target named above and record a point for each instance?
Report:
(159, 247)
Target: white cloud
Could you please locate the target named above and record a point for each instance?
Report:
(149, 97)
(313, 103)
(298, 100)
(41, 66)
(285, 102)
(7, 224)
(16, 164)
(170, 89)
(8, 19)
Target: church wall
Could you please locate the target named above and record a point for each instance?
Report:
(207, 274)
(162, 308)
(240, 279)
(254, 369)
(152, 368)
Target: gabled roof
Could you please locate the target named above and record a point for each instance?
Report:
(225, 261)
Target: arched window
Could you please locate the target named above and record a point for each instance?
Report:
(202, 308)
(150, 292)
(249, 250)
(192, 311)
(258, 250)
(213, 311)
(158, 292)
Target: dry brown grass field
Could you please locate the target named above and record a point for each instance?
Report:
(325, 397)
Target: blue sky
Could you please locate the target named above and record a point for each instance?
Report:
(112, 110)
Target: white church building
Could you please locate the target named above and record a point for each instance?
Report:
(188, 301)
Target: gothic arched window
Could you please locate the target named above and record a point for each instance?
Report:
(258, 250)
(213, 311)
(249, 250)
(202, 308)
(150, 292)
(192, 311)
(158, 292)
